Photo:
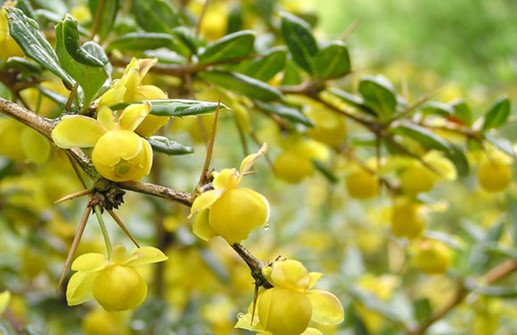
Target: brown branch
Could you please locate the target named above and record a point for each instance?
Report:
(253, 263)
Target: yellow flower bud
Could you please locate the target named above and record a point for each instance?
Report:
(432, 257)
(119, 288)
(292, 167)
(417, 179)
(362, 184)
(494, 176)
(122, 155)
(406, 220)
(237, 212)
(284, 312)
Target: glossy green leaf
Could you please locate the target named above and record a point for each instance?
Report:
(422, 135)
(290, 113)
(325, 171)
(267, 65)
(497, 114)
(26, 33)
(26, 7)
(23, 65)
(292, 74)
(299, 39)
(462, 111)
(167, 146)
(139, 41)
(422, 308)
(333, 61)
(233, 46)
(89, 71)
(178, 107)
(242, 84)
(457, 156)
(186, 43)
(352, 100)
(378, 95)
(503, 144)
(438, 108)
(108, 14)
(156, 15)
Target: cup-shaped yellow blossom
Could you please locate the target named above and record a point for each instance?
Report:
(119, 154)
(114, 283)
(129, 88)
(227, 210)
(8, 46)
(289, 307)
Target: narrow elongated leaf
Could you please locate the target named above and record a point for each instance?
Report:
(511, 201)
(497, 291)
(503, 144)
(352, 100)
(89, 71)
(379, 96)
(233, 46)
(167, 146)
(177, 107)
(438, 108)
(422, 135)
(267, 65)
(333, 61)
(185, 41)
(107, 15)
(25, 32)
(242, 84)
(497, 114)
(23, 65)
(300, 41)
(57, 6)
(290, 113)
(156, 15)
(141, 41)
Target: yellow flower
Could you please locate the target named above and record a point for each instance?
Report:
(5, 297)
(119, 154)
(289, 307)
(227, 210)
(129, 88)
(8, 46)
(114, 283)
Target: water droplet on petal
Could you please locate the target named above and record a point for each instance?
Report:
(266, 226)
(240, 316)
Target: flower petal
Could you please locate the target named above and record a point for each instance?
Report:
(5, 297)
(145, 64)
(249, 160)
(146, 255)
(311, 331)
(290, 274)
(315, 276)
(89, 262)
(244, 322)
(106, 118)
(204, 201)
(226, 179)
(77, 131)
(116, 145)
(133, 115)
(201, 228)
(326, 307)
(79, 288)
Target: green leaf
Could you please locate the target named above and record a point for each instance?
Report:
(422, 308)
(290, 113)
(503, 144)
(292, 74)
(457, 156)
(23, 65)
(462, 111)
(164, 145)
(438, 108)
(108, 15)
(156, 15)
(422, 135)
(375, 304)
(141, 41)
(479, 258)
(178, 107)
(333, 61)
(26, 33)
(242, 84)
(325, 171)
(300, 41)
(352, 100)
(497, 114)
(511, 201)
(89, 71)
(57, 6)
(267, 65)
(233, 46)
(379, 96)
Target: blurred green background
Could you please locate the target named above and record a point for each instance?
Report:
(472, 43)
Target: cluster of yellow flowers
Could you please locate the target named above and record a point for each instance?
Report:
(120, 152)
